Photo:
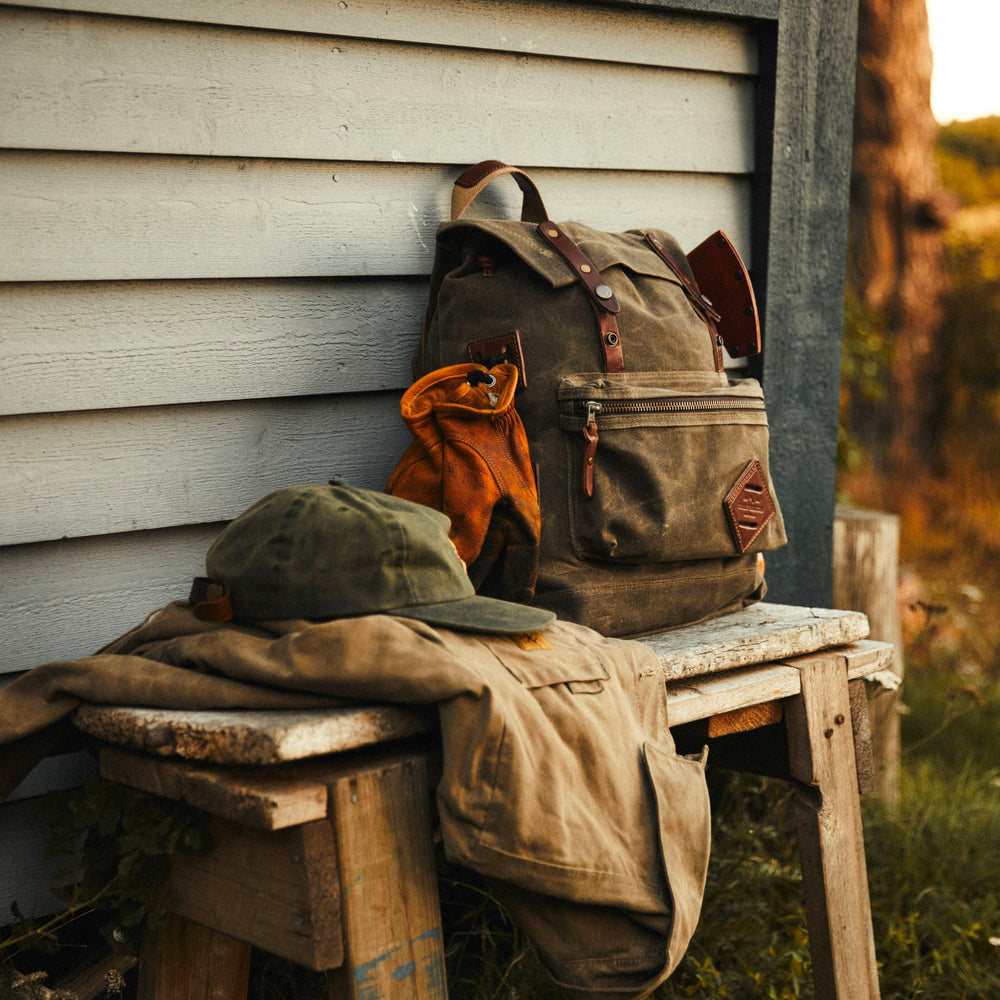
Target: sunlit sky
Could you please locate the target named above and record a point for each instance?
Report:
(965, 35)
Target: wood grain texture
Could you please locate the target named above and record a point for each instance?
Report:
(392, 920)
(276, 890)
(84, 216)
(264, 799)
(831, 842)
(130, 470)
(183, 960)
(95, 83)
(101, 345)
(535, 27)
(758, 634)
(865, 578)
(252, 737)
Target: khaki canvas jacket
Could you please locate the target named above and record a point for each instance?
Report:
(560, 780)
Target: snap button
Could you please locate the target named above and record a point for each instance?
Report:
(611, 339)
(603, 292)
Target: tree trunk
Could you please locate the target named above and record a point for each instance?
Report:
(897, 268)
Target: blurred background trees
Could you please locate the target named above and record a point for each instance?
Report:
(920, 413)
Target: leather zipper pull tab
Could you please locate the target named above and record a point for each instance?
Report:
(590, 438)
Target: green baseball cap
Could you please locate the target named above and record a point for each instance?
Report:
(332, 551)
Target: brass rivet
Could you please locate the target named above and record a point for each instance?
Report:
(603, 292)
(585, 268)
(553, 232)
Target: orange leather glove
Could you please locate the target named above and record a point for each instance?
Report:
(469, 459)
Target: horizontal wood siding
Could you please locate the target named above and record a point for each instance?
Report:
(111, 217)
(536, 27)
(217, 219)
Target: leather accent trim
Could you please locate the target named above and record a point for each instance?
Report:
(702, 305)
(470, 177)
(493, 351)
(723, 277)
(590, 437)
(749, 505)
(611, 342)
(210, 602)
(476, 178)
(582, 266)
(605, 306)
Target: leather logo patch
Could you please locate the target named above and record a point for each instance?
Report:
(749, 505)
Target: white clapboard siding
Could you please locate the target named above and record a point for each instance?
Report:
(106, 471)
(28, 875)
(98, 345)
(114, 217)
(539, 27)
(85, 82)
(66, 599)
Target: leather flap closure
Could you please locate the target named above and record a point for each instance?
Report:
(605, 250)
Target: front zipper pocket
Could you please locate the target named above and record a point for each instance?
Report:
(653, 457)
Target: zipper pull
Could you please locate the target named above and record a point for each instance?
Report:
(590, 437)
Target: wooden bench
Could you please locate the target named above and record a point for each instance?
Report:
(323, 820)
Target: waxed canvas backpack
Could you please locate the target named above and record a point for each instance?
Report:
(651, 463)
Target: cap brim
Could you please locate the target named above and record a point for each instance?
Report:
(480, 614)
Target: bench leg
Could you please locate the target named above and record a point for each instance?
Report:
(183, 960)
(391, 913)
(835, 880)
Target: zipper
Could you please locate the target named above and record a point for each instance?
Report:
(685, 404)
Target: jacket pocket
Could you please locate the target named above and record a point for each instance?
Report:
(685, 829)
(652, 458)
(536, 664)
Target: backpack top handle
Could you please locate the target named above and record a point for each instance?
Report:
(472, 182)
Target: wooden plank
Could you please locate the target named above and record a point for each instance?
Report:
(536, 27)
(693, 698)
(690, 700)
(252, 737)
(865, 578)
(80, 594)
(270, 797)
(95, 345)
(83, 216)
(831, 842)
(392, 920)
(276, 890)
(758, 634)
(131, 470)
(861, 726)
(183, 960)
(79, 82)
(265, 800)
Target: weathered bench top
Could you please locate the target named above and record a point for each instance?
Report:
(699, 662)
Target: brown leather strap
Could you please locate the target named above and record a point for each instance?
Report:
(210, 602)
(476, 178)
(602, 298)
(703, 306)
